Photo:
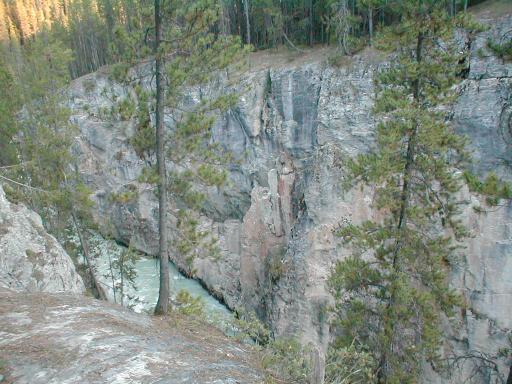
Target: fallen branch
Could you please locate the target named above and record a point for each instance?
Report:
(291, 44)
(24, 185)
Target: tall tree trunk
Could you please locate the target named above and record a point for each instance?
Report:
(310, 23)
(391, 332)
(370, 23)
(100, 292)
(121, 270)
(247, 22)
(453, 8)
(112, 277)
(111, 21)
(162, 305)
(224, 27)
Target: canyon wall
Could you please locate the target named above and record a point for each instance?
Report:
(296, 122)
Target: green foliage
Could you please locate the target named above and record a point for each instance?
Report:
(503, 50)
(275, 266)
(247, 326)
(506, 352)
(124, 109)
(340, 23)
(143, 141)
(350, 365)
(492, 187)
(119, 72)
(285, 359)
(83, 33)
(123, 273)
(193, 241)
(9, 106)
(42, 173)
(391, 292)
(123, 197)
(198, 57)
(188, 304)
(149, 175)
(267, 23)
(118, 32)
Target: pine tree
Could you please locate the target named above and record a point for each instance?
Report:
(9, 106)
(41, 172)
(163, 292)
(392, 291)
(188, 52)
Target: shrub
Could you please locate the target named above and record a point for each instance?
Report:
(502, 50)
(125, 197)
(247, 326)
(119, 72)
(286, 360)
(492, 187)
(349, 366)
(189, 305)
(124, 109)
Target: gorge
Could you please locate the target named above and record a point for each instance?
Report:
(299, 117)
(296, 120)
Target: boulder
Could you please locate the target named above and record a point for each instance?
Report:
(31, 260)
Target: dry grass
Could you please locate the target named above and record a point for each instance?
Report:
(285, 57)
(492, 9)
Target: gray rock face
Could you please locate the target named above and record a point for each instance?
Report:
(56, 339)
(31, 260)
(293, 126)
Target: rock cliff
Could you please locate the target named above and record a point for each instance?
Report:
(295, 122)
(31, 260)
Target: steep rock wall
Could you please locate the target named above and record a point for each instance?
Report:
(291, 130)
(31, 260)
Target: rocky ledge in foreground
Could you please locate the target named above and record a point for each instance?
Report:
(55, 339)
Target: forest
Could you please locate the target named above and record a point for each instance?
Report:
(107, 102)
(96, 31)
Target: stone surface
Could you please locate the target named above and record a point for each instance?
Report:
(296, 122)
(57, 339)
(31, 260)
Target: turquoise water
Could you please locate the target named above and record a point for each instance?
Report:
(143, 295)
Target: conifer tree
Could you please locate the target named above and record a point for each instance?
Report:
(163, 292)
(188, 52)
(40, 171)
(391, 293)
(9, 106)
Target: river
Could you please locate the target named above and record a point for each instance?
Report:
(142, 295)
